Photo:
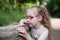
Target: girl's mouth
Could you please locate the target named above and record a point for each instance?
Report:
(27, 23)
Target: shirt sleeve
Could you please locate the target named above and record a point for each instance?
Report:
(44, 35)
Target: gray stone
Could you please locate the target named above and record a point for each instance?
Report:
(9, 32)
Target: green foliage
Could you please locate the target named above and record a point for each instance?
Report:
(54, 8)
(10, 14)
(7, 17)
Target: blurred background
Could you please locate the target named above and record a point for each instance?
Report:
(11, 11)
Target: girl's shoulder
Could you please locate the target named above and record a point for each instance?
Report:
(44, 29)
(41, 29)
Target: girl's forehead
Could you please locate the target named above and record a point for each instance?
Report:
(31, 12)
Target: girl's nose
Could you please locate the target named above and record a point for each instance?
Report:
(28, 20)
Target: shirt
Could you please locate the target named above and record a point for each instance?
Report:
(35, 34)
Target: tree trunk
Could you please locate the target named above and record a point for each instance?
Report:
(14, 3)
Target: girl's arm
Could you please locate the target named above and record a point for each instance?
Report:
(28, 37)
(44, 35)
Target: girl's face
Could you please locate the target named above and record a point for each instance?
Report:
(32, 17)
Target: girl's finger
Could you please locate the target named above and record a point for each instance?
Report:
(21, 34)
(23, 25)
(18, 29)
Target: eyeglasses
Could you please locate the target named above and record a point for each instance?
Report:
(31, 17)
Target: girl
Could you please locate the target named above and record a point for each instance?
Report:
(37, 19)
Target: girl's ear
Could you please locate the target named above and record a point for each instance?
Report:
(40, 18)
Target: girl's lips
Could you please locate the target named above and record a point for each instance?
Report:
(27, 23)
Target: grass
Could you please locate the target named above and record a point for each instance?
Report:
(8, 16)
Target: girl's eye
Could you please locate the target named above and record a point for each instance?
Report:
(31, 17)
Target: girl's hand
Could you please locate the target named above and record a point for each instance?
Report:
(21, 27)
(23, 33)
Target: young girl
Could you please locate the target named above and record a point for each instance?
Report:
(37, 19)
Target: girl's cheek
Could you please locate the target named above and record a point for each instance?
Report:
(33, 21)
